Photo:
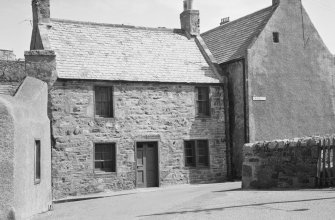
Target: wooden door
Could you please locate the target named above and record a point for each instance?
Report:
(147, 164)
(141, 178)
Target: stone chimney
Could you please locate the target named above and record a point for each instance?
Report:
(286, 2)
(275, 2)
(41, 11)
(189, 19)
(41, 64)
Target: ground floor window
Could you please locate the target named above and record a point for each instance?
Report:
(196, 153)
(105, 157)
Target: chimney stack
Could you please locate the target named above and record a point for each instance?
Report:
(41, 11)
(189, 19)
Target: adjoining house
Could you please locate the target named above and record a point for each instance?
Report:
(25, 152)
(280, 76)
(129, 106)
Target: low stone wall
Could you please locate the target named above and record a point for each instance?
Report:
(280, 164)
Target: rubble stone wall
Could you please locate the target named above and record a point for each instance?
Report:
(143, 111)
(280, 164)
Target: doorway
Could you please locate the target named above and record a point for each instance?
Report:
(147, 164)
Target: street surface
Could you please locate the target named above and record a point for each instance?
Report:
(210, 201)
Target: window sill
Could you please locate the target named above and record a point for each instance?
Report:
(37, 182)
(198, 168)
(205, 117)
(104, 174)
(102, 119)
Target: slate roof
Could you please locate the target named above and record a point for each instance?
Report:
(127, 53)
(231, 40)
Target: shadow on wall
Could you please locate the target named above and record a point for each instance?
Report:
(208, 143)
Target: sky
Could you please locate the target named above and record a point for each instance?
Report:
(16, 15)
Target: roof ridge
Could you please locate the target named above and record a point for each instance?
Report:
(174, 30)
(244, 17)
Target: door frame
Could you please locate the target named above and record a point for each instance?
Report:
(158, 157)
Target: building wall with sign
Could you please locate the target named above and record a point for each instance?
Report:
(164, 112)
(295, 75)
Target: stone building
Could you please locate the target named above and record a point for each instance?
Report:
(129, 106)
(280, 76)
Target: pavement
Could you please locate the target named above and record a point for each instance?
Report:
(207, 201)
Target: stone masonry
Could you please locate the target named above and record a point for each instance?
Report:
(142, 110)
(281, 164)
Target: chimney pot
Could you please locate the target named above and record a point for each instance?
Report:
(41, 11)
(188, 5)
(224, 21)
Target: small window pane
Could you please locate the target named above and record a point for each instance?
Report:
(98, 165)
(98, 156)
(196, 153)
(104, 101)
(203, 161)
(105, 157)
(190, 161)
(202, 150)
(189, 153)
(203, 101)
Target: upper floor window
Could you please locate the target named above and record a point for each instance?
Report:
(105, 158)
(275, 37)
(203, 104)
(104, 102)
(196, 153)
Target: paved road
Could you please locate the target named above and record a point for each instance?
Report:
(212, 201)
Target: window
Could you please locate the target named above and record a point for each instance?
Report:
(37, 161)
(104, 102)
(275, 37)
(203, 107)
(105, 158)
(196, 153)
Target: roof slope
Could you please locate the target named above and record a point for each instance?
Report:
(117, 52)
(230, 41)
(8, 88)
